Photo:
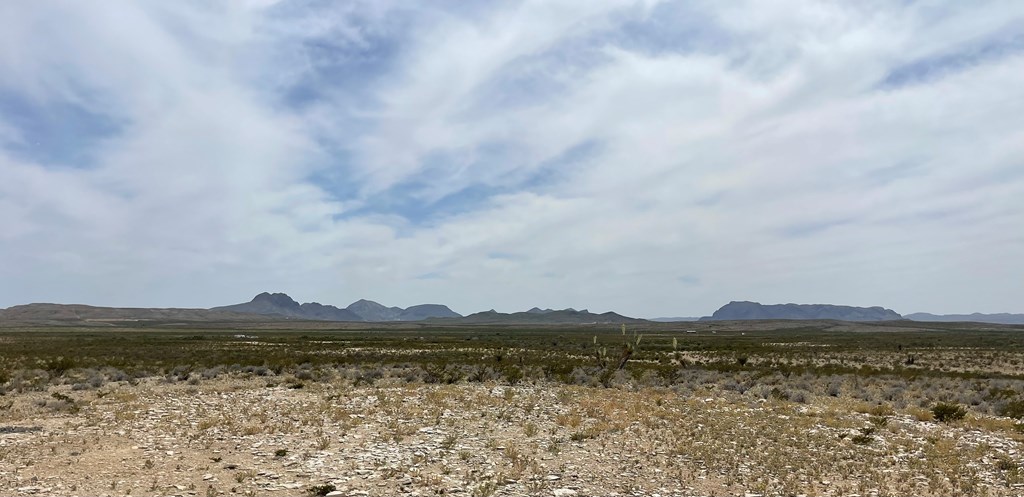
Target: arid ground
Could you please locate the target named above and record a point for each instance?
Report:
(783, 412)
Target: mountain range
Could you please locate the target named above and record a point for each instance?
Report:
(280, 304)
(675, 319)
(754, 310)
(977, 317)
(276, 306)
(547, 316)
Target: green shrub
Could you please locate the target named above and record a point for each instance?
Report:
(513, 375)
(59, 365)
(946, 413)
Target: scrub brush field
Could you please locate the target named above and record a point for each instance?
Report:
(765, 408)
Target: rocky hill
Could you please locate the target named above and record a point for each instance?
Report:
(368, 310)
(753, 310)
(427, 311)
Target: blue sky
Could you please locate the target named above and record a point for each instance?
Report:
(652, 158)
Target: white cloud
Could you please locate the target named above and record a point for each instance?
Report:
(774, 166)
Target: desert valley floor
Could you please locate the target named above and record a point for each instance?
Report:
(673, 421)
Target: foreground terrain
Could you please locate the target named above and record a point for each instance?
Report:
(769, 408)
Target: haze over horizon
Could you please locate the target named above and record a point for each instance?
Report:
(648, 158)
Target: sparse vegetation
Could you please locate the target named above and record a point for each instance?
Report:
(806, 404)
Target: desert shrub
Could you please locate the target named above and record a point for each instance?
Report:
(412, 375)
(893, 394)
(1012, 409)
(878, 421)
(59, 365)
(211, 373)
(760, 391)
(257, 370)
(921, 414)
(585, 377)
(732, 384)
(59, 403)
(860, 393)
(618, 378)
(799, 396)
(92, 383)
(513, 375)
(28, 380)
(834, 388)
(179, 373)
(945, 412)
(321, 490)
(369, 376)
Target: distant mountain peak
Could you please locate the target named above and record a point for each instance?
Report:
(369, 310)
(280, 304)
(275, 298)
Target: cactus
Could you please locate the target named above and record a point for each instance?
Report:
(628, 348)
(600, 354)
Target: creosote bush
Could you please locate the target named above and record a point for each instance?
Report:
(945, 412)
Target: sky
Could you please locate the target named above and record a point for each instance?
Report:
(651, 158)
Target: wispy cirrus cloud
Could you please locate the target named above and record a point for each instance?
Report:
(648, 157)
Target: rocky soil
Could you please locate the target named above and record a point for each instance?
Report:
(254, 436)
